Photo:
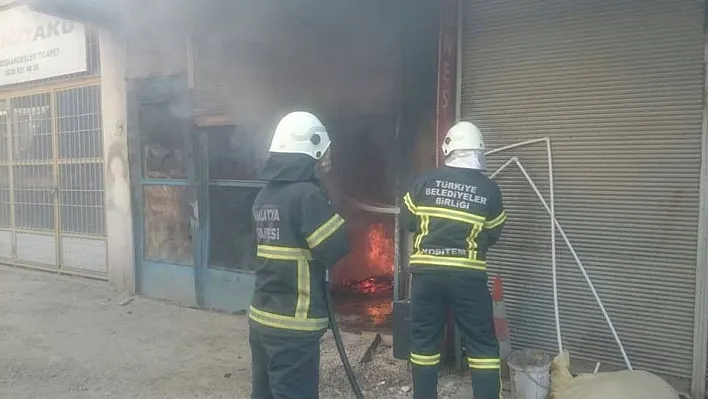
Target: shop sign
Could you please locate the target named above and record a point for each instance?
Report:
(447, 65)
(36, 46)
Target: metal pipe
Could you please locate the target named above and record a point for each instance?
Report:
(501, 168)
(386, 209)
(554, 263)
(556, 308)
(520, 144)
(580, 265)
(396, 259)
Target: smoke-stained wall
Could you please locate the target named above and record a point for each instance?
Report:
(157, 40)
(255, 61)
(419, 30)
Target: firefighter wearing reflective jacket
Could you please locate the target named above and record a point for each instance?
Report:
(299, 236)
(456, 214)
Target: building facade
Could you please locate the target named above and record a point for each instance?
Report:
(617, 87)
(60, 210)
(52, 186)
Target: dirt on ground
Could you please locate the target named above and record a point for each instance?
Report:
(382, 377)
(64, 337)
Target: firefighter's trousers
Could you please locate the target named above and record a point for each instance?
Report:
(284, 366)
(433, 294)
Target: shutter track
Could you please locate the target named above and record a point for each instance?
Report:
(617, 85)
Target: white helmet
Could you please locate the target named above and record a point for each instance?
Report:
(300, 133)
(463, 136)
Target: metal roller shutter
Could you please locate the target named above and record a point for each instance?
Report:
(617, 85)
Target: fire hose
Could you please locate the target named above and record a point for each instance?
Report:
(338, 341)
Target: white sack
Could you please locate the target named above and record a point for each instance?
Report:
(617, 385)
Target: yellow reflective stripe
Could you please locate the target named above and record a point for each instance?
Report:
(496, 221)
(424, 224)
(452, 214)
(426, 228)
(303, 289)
(484, 367)
(425, 363)
(484, 364)
(494, 360)
(286, 322)
(282, 253)
(426, 357)
(409, 203)
(419, 237)
(425, 360)
(472, 241)
(423, 259)
(325, 231)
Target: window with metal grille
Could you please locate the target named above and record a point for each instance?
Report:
(80, 161)
(51, 162)
(32, 161)
(5, 219)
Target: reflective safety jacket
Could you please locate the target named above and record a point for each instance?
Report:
(456, 215)
(299, 235)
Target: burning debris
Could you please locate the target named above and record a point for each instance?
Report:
(372, 251)
(381, 285)
(363, 287)
(362, 284)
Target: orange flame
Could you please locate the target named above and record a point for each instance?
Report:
(369, 267)
(380, 249)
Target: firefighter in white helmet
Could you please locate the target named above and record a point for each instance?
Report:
(299, 236)
(456, 213)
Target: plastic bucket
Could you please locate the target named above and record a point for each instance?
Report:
(530, 374)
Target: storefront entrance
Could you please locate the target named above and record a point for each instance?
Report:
(194, 241)
(199, 138)
(192, 202)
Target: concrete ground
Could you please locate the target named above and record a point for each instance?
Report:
(63, 337)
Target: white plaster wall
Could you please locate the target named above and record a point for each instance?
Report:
(119, 223)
